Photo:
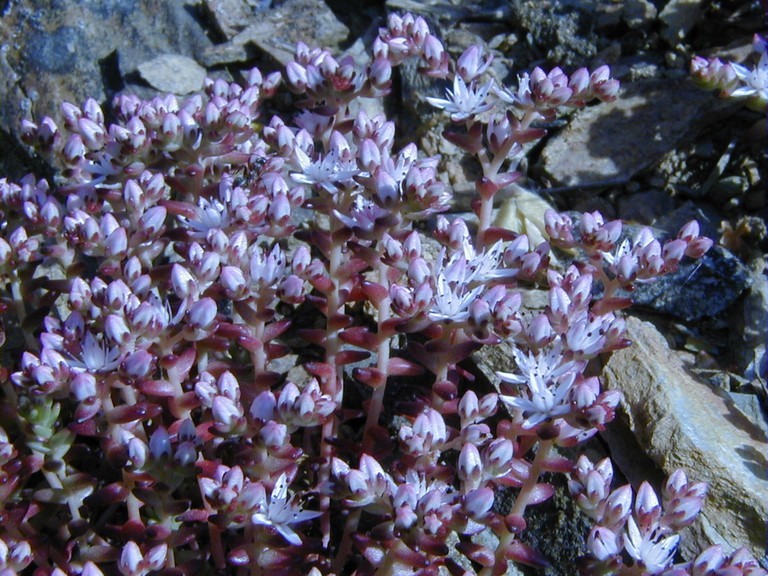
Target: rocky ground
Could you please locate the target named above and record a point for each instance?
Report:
(663, 153)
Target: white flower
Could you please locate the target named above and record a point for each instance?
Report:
(95, 357)
(652, 551)
(211, 215)
(464, 101)
(755, 81)
(548, 381)
(451, 300)
(325, 172)
(280, 513)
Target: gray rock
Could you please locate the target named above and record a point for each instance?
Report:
(173, 73)
(639, 13)
(683, 423)
(68, 52)
(678, 17)
(699, 289)
(277, 31)
(615, 141)
(232, 16)
(645, 207)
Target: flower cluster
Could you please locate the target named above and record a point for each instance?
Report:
(736, 80)
(212, 380)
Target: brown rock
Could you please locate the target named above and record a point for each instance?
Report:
(614, 141)
(683, 423)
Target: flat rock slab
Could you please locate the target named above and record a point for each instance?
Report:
(173, 73)
(683, 423)
(616, 140)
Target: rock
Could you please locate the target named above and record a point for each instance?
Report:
(69, 51)
(750, 344)
(678, 17)
(645, 207)
(683, 423)
(276, 32)
(700, 288)
(230, 17)
(173, 73)
(601, 142)
(638, 13)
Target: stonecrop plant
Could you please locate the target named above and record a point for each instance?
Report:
(243, 336)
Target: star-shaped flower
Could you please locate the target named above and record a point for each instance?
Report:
(281, 512)
(464, 102)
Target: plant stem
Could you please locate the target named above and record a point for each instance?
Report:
(521, 503)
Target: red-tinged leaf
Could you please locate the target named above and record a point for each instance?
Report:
(178, 208)
(530, 135)
(456, 352)
(375, 292)
(351, 356)
(515, 523)
(87, 409)
(232, 331)
(540, 493)
(184, 363)
(494, 234)
(87, 428)
(185, 402)
(361, 337)
(274, 350)
(408, 556)
(557, 463)
(446, 390)
(193, 516)
(352, 268)
(215, 343)
(246, 312)
(477, 553)
(267, 379)
(110, 494)
(250, 343)
(364, 253)
(339, 321)
(506, 178)
(390, 327)
(138, 411)
(471, 142)
(317, 239)
(372, 377)
(402, 367)
(433, 545)
(519, 552)
(322, 284)
(312, 335)
(518, 474)
(159, 388)
(320, 370)
(275, 329)
(238, 557)
(455, 568)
